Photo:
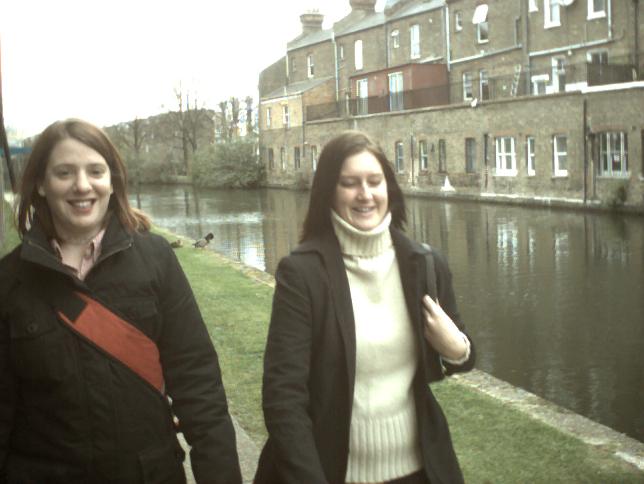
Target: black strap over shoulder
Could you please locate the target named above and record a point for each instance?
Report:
(430, 272)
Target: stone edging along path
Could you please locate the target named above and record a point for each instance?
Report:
(567, 421)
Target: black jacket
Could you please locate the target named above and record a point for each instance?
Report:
(71, 414)
(309, 366)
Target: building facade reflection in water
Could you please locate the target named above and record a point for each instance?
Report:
(553, 298)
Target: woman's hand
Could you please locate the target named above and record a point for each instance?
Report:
(442, 333)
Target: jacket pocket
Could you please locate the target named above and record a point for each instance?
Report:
(142, 312)
(162, 464)
(39, 350)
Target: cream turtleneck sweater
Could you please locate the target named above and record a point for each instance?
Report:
(384, 442)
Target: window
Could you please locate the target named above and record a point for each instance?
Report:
(532, 6)
(314, 157)
(597, 57)
(341, 51)
(480, 20)
(467, 86)
(283, 158)
(506, 160)
(271, 159)
(482, 33)
(358, 54)
(470, 155)
(560, 155)
(285, 116)
(529, 155)
(396, 91)
(395, 39)
(458, 21)
(558, 74)
(293, 65)
(414, 39)
(296, 157)
(539, 84)
(551, 11)
(362, 90)
(613, 154)
(399, 157)
(422, 153)
(310, 68)
(268, 117)
(484, 85)
(596, 9)
(442, 156)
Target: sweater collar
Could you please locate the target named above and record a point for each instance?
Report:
(362, 243)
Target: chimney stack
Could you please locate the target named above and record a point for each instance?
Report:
(363, 5)
(311, 22)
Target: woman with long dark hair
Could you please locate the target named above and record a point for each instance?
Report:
(363, 319)
(98, 327)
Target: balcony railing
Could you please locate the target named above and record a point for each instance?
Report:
(534, 82)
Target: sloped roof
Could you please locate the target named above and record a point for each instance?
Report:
(296, 88)
(309, 39)
(372, 20)
(416, 8)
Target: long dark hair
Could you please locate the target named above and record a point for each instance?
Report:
(33, 206)
(349, 143)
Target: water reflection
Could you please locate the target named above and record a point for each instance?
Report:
(552, 298)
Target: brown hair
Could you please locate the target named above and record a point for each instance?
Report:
(33, 206)
(338, 149)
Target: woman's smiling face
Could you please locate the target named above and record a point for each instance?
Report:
(77, 187)
(361, 193)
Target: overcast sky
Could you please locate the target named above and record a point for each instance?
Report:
(112, 60)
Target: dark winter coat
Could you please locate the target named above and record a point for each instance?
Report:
(71, 414)
(309, 366)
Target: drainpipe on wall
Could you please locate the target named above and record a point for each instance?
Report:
(485, 161)
(448, 48)
(335, 57)
(636, 20)
(585, 138)
(609, 19)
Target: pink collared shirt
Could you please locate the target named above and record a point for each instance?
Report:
(91, 255)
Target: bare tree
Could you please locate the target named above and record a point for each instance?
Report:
(223, 120)
(250, 129)
(234, 118)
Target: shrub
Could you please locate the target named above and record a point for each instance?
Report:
(228, 165)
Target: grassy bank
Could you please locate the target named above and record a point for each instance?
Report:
(495, 443)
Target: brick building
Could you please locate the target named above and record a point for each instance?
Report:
(496, 99)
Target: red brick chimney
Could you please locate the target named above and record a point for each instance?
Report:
(311, 22)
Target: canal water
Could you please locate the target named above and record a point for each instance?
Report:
(552, 298)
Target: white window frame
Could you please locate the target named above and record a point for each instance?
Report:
(399, 157)
(286, 117)
(613, 143)
(310, 66)
(559, 155)
(470, 168)
(341, 49)
(268, 117)
(530, 155)
(468, 95)
(283, 158)
(558, 65)
(533, 6)
(458, 21)
(423, 154)
(602, 54)
(484, 82)
(396, 88)
(539, 80)
(297, 157)
(395, 38)
(482, 27)
(362, 92)
(357, 52)
(414, 41)
(505, 153)
(314, 157)
(592, 13)
(551, 14)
